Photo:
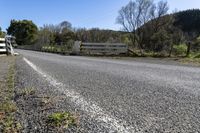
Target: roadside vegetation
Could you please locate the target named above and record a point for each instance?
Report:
(8, 108)
(2, 34)
(62, 120)
(147, 28)
(194, 59)
(44, 110)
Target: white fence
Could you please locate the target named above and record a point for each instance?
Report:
(6, 46)
(3, 45)
(101, 48)
(9, 46)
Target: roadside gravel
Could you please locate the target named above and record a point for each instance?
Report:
(33, 112)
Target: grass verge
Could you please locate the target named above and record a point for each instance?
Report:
(193, 59)
(8, 124)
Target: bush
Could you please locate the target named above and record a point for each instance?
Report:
(58, 48)
(197, 56)
(180, 49)
(70, 44)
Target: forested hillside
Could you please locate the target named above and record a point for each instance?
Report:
(188, 21)
(178, 32)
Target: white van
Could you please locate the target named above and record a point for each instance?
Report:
(3, 45)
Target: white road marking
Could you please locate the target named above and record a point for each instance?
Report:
(91, 108)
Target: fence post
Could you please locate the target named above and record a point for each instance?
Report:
(9, 47)
(76, 48)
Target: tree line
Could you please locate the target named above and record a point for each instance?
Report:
(27, 33)
(147, 28)
(2, 34)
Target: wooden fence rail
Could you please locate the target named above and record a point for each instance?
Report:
(100, 48)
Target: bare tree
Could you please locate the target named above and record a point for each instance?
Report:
(158, 11)
(136, 14)
(162, 8)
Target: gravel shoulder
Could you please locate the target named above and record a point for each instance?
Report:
(43, 100)
(8, 108)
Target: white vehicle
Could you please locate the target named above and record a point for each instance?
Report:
(3, 46)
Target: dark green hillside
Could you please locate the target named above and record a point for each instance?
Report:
(188, 21)
(171, 33)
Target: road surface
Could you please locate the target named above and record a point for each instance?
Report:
(122, 96)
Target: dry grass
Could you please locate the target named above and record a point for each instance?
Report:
(7, 106)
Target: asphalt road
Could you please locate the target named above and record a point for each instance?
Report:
(124, 96)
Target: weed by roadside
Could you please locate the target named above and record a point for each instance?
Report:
(62, 120)
(27, 92)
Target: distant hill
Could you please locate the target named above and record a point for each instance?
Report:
(188, 21)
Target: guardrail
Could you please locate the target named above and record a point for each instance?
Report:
(2, 49)
(9, 47)
(100, 48)
(6, 46)
(2, 46)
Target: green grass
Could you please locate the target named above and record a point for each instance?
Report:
(193, 61)
(7, 106)
(62, 119)
(27, 91)
(56, 49)
(193, 58)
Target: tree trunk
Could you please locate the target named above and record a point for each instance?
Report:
(139, 41)
(132, 39)
(171, 49)
(188, 49)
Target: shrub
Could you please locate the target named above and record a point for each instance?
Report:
(58, 48)
(180, 49)
(197, 56)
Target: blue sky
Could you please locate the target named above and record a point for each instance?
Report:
(81, 13)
